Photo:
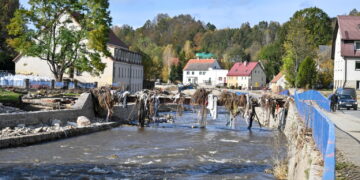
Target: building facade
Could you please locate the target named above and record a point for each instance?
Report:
(278, 82)
(204, 72)
(123, 69)
(346, 52)
(246, 75)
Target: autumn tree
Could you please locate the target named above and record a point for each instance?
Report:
(7, 10)
(168, 56)
(47, 31)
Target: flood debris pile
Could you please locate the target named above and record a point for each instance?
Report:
(199, 98)
(9, 109)
(147, 106)
(275, 107)
(235, 104)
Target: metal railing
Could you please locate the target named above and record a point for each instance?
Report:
(323, 130)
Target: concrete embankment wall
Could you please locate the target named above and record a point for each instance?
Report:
(83, 107)
(304, 161)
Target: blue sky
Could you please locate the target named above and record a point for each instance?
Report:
(222, 13)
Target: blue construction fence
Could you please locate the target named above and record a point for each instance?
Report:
(36, 84)
(323, 130)
(316, 96)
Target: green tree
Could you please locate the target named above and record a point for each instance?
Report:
(317, 23)
(271, 56)
(7, 10)
(306, 78)
(354, 12)
(54, 38)
(174, 73)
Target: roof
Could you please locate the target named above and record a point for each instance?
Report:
(277, 77)
(114, 40)
(349, 27)
(242, 69)
(204, 55)
(200, 64)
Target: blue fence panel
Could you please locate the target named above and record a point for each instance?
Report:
(316, 96)
(40, 84)
(322, 129)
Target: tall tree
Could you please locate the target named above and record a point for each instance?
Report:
(54, 37)
(297, 46)
(317, 23)
(7, 10)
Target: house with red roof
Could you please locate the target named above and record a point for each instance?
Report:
(123, 68)
(346, 52)
(204, 72)
(246, 75)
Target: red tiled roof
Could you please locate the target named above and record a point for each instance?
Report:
(277, 77)
(349, 27)
(199, 64)
(240, 69)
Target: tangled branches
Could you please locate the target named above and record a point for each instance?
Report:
(103, 100)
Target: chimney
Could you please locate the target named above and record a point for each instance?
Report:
(245, 63)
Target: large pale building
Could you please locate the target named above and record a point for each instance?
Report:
(246, 75)
(204, 72)
(123, 68)
(346, 52)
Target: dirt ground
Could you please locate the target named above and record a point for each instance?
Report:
(345, 169)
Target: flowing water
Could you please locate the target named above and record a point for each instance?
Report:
(161, 151)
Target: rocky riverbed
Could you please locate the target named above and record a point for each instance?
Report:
(56, 125)
(9, 109)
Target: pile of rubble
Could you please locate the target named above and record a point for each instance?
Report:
(56, 125)
(8, 109)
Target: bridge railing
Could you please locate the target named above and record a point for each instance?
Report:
(323, 131)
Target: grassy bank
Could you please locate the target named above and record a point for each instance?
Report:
(8, 96)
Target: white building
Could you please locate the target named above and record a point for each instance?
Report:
(246, 75)
(123, 68)
(204, 72)
(278, 82)
(346, 52)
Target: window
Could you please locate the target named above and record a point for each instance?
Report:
(188, 72)
(78, 73)
(220, 78)
(189, 80)
(193, 73)
(357, 45)
(204, 73)
(357, 65)
(119, 72)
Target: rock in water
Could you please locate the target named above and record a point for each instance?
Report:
(83, 121)
(55, 122)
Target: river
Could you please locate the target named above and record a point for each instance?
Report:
(161, 151)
